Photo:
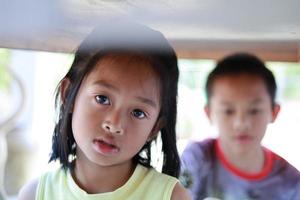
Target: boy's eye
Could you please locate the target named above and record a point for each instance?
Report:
(102, 99)
(254, 111)
(228, 112)
(138, 113)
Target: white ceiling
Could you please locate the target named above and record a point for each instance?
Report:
(59, 25)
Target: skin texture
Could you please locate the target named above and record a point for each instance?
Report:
(113, 109)
(115, 112)
(240, 108)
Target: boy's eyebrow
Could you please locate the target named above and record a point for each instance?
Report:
(141, 99)
(226, 103)
(257, 101)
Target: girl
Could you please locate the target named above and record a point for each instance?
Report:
(118, 94)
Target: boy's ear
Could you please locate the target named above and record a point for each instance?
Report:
(275, 112)
(64, 86)
(160, 123)
(207, 112)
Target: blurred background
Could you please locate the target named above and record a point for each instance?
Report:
(38, 38)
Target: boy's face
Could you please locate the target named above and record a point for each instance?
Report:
(240, 108)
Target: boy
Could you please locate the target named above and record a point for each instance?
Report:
(240, 104)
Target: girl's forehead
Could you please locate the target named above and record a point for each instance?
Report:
(125, 64)
(125, 72)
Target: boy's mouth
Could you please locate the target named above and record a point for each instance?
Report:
(243, 138)
(105, 147)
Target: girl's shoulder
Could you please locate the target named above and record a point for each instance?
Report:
(150, 176)
(31, 189)
(157, 185)
(28, 191)
(180, 193)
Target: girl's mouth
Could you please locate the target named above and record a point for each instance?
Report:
(105, 148)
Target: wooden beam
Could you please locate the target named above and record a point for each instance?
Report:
(286, 51)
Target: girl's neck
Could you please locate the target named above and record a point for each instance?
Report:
(250, 162)
(94, 178)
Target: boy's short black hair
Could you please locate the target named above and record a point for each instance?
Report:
(242, 63)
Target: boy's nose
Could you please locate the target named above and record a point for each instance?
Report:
(242, 123)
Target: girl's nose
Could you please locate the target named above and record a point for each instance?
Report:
(112, 128)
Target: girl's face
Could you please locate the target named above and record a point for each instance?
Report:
(240, 108)
(115, 111)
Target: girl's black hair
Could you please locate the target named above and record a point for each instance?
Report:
(242, 63)
(131, 39)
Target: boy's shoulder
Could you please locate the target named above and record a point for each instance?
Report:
(197, 161)
(200, 150)
(286, 175)
(287, 170)
(198, 156)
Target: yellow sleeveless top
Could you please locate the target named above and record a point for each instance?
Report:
(144, 184)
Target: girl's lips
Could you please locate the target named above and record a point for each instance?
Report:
(104, 147)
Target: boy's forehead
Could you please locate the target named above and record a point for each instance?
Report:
(240, 87)
(244, 79)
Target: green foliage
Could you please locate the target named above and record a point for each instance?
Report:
(288, 77)
(193, 75)
(4, 75)
(193, 72)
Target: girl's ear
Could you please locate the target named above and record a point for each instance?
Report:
(64, 86)
(275, 112)
(160, 123)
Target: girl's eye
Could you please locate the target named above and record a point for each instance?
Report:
(138, 113)
(102, 99)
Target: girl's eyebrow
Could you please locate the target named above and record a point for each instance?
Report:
(105, 84)
(147, 101)
(139, 98)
